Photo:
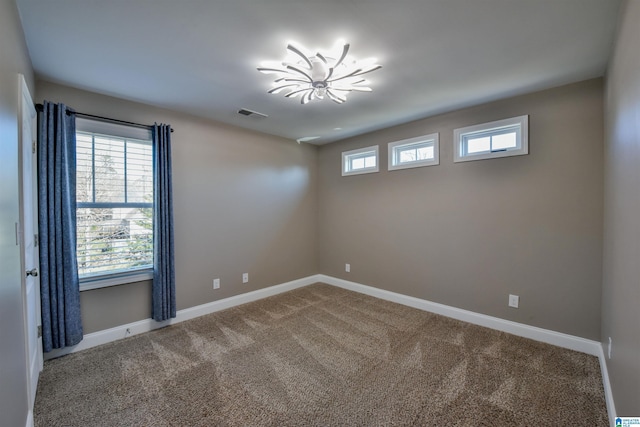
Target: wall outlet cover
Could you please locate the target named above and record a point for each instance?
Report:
(514, 301)
(245, 277)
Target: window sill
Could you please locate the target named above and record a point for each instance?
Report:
(361, 171)
(97, 282)
(491, 155)
(414, 164)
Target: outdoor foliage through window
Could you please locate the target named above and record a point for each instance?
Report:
(414, 152)
(114, 204)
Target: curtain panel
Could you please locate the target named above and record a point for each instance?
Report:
(59, 285)
(163, 288)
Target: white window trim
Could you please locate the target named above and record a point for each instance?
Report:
(105, 280)
(522, 147)
(347, 154)
(418, 163)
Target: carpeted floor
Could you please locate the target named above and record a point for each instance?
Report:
(322, 356)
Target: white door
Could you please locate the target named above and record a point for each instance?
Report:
(29, 239)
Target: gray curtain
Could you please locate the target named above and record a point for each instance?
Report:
(59, 285)
(164, 286)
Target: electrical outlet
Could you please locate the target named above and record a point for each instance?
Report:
(216, 283)
(245, 277)
(514, 301)
(347, 268)
(609, 349)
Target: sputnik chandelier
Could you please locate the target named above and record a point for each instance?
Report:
(311, 77)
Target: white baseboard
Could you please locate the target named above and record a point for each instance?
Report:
(544, 335)
(608, 393)
(123, 331)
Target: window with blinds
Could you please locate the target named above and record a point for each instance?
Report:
(114, 192)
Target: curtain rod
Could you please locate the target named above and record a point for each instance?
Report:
(105, 119)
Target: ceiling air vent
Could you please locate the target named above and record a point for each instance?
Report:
(251, 113)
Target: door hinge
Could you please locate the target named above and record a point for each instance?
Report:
(35, 240)
(33, 147)
(39, 331)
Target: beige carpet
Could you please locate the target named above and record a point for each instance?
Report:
(322, 356)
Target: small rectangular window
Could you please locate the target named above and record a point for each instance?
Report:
(414, 152)
(502, 138)
(362, 160)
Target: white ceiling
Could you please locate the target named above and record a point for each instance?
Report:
(200, 56)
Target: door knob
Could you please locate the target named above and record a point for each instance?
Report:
(33, 272)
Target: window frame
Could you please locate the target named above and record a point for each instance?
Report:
(520, 124)
(126, 132)
(392, 148)
(349, 156)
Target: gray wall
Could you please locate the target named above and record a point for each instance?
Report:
(244, 202)
(468, 234)
(13, 369)
(621, 285)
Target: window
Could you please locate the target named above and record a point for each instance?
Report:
(502, 138)
(414, 152)
(114, 212)
(362, 160)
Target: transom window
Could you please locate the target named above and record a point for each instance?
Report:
(414, 152)
(114, 193)
(502, 138)
(362, 160)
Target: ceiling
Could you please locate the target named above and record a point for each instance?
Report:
(200, 56)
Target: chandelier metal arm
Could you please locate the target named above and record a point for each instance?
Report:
(300, 54)
(296, 80)
(356, 73)
(335, 98)
(298, 70)
(279, 88)
(306, 97)
(370, 69)
(296, 92)
(354, 88)
(267, 70)
(345, 50)
(329, 74)
(351, 74)
(321, 58)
